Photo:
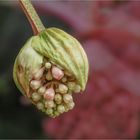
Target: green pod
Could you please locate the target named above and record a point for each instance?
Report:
(60, 48)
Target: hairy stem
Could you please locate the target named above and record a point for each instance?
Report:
(32, 16)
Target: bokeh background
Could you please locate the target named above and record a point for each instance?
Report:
(110, 34)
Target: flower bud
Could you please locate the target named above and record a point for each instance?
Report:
(61, 108)
(63, 88)
(41, 90)
(39, 74)
(58, 98)
(71, 105)
(35, 84)
(57, 73)
(47, 60)
(48, 65)
(67, 98)
(40, 106)
(49, 76)
(77, 89)
(49, 111)
(36, 97)
(71, 85)
(49, 94)
(49, 104)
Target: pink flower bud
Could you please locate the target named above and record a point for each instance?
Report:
(49, 94)
(57, 73)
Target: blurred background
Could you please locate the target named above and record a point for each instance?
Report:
(110, 34)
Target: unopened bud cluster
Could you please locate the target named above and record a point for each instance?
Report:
(53, 94)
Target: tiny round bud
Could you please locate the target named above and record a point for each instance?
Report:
(49, 111)
(40, 106)
(67, 98)
(49, 76)
(71, 105)
(77, 89)
(35, 84)
(63, 88)
(36, 97)
(41, 90)
(49, 104)
(71, 85)
(58, 98)
(49, 94)
(48, 65)
(57, 73)
(39, 74)
(61, 108)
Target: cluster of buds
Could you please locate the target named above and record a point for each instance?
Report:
(49, 69)
(53, 94)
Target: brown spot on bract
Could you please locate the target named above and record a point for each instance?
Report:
(20, 68)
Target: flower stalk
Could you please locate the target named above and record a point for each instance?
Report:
(32, 16)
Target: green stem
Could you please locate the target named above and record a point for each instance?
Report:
(32, 16)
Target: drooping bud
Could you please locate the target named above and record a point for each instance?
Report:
(57, 73)
(58, 53)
